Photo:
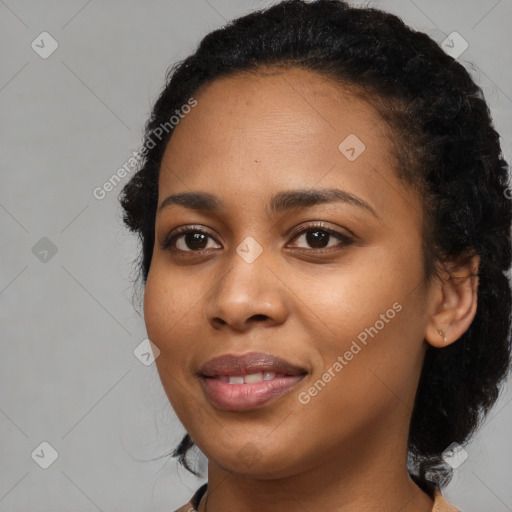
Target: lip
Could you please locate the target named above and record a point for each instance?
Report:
(247, 396)
(251, 362)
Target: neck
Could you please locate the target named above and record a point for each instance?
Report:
(375, 481)
(403, 495)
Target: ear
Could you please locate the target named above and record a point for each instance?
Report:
(454, 302)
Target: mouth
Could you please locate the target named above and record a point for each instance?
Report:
(248, 381)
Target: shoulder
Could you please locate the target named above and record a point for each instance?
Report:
(441, 505)
(192, 505)
(186, 508)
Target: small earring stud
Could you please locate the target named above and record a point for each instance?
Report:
(442, 333)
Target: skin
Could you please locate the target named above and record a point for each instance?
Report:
(250, 137)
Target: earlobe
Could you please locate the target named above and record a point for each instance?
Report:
(456, 304)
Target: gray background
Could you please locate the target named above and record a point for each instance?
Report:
(68, 375)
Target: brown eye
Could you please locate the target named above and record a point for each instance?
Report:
(192, 240)
(188, 239)
(320, 237)
(317, 239)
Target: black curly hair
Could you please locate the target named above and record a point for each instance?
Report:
(445, 146)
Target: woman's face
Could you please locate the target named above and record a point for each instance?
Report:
(331, 283)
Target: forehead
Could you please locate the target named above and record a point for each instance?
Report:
(278, 109)
(277, 129)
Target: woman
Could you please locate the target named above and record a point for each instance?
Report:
(325, 232)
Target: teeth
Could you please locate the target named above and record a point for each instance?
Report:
(252, 378)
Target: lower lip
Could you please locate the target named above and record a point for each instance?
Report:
(244, 397)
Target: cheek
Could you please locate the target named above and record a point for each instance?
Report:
(159, 308)
(366, 378)
(351, 298)
(370, 331)
(169, 317)
(169, 308)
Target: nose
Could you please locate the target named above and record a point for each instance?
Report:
(247, 295)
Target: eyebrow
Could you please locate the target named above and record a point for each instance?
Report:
(283, 201)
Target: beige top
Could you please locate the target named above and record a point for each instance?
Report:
(440, 504)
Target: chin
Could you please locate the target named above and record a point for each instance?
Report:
(247, 459)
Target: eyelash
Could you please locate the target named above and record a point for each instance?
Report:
(344, 239)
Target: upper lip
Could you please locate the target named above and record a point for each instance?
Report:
(245, 364)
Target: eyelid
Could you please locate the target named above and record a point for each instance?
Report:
(293, 233)
(183, 230)
(343, 240)
(321, 226)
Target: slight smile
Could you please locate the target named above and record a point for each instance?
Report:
(248, 381)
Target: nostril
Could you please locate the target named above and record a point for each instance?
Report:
(259, 317)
